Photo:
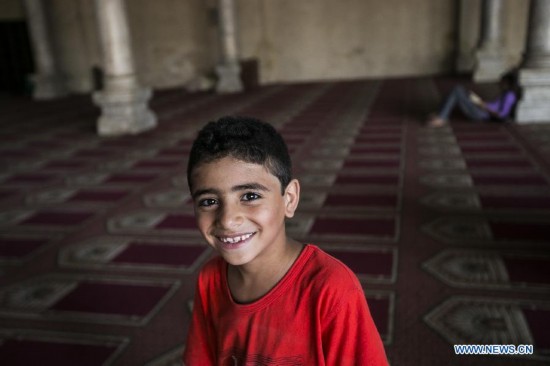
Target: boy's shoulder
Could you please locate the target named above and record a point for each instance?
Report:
(329, 284)
(212, 269)
(326, 270)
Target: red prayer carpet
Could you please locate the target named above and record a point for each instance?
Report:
(447, 229)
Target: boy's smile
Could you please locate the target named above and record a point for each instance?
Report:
(241, 212)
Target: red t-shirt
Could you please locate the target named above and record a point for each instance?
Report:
(316, 315)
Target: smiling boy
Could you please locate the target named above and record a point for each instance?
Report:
(266, 299)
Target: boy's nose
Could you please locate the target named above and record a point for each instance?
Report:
(229, 217)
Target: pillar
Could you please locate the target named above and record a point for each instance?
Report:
(228, 70)
(123, 101)
(48, 83)
(490, 56)
(465, 60)
(535, 71)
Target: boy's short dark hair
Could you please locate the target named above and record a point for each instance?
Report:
(243, 138)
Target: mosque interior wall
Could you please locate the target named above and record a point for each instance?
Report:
(176, 41)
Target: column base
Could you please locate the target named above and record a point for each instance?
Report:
(124, 112)
(489, 67)
(48, 87)
(229, 78)
(534, 106)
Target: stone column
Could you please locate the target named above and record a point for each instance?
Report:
(123, 102)
(48, 83)
(535, 72)
(490, 56)
(228, 70)
(466, 14)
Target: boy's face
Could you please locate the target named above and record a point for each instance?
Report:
(240, 210)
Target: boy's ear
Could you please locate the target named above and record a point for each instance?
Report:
(292, 197)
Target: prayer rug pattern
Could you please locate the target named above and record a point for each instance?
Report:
(504, 270)
(136, 253)
(98, 300)
(24, 347)
(479, 320)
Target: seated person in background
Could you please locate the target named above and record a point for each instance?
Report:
(266, 298)
(475, 108)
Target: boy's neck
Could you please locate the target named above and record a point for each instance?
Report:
(249, 283)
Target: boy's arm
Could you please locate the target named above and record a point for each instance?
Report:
(199, 349)
(351, 337)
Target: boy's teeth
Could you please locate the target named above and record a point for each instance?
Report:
(235, 239)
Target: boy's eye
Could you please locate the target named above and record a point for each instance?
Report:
(207, 202)
(250, 196)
